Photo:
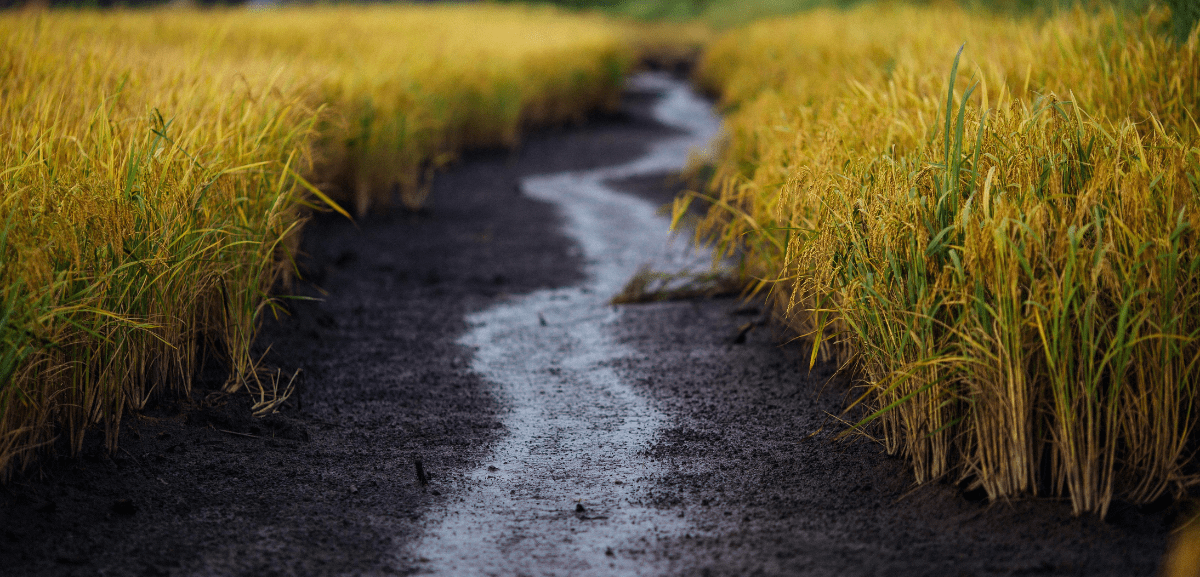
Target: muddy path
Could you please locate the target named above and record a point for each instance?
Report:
(407, 358)
(562, 487)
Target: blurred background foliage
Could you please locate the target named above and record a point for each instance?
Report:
(731, 13)
(722, 14)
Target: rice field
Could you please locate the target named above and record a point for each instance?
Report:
(991, 223)
(157, 166)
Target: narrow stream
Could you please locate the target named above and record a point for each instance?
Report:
(560, 494)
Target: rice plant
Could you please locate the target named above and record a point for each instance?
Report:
(156, 168)
(1009, 266)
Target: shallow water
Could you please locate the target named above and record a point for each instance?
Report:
(560, 493)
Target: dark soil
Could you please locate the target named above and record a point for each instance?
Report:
(769, 499)
(329, 485)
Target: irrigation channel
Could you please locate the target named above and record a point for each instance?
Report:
(560, 493)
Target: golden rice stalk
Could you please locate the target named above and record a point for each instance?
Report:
(156, 167)
(1013, 275)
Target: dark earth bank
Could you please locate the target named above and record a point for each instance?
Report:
(769, 497)
(329, 485)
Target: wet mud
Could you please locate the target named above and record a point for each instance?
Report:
(559, 493)
(391, 377)
(766, 498)
(328, 485)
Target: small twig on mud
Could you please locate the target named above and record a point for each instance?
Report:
(214, 399)
(421, 478)
(820, 428)
(239, 434)
(136, 460)
(268, 401)
(763, 320)
(919, 486)
(742, 332)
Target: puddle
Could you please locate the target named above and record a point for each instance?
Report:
(560, 494)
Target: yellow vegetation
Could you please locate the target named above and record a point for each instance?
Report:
(668, 45)
(1009, 260)
(151, 169)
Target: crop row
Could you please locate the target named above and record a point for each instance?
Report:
(1004, 249)
(156, 168)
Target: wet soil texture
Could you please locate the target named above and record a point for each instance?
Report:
(719, 474)
(561, 489)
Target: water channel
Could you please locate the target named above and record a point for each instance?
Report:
(560, 494)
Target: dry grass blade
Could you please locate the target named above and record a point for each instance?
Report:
(649, 285)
